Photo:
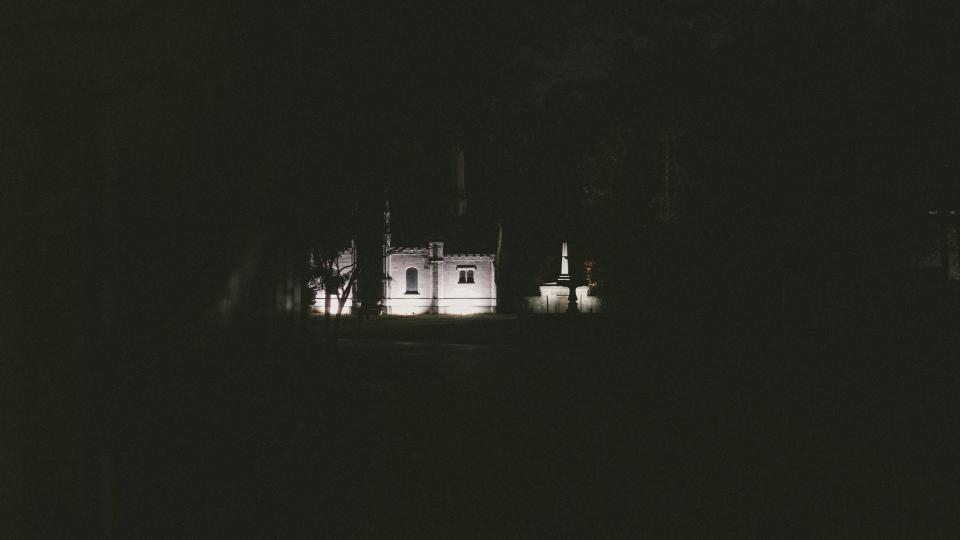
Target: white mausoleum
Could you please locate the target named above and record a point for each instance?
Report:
(420, 280)
(555, 296)
(427, 280)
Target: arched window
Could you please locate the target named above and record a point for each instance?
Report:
(469, 276)
(463, 276)
(411, 281)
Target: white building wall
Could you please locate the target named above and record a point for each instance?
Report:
(399, 302)
(467, 298)
(555, 298)
(438, 288)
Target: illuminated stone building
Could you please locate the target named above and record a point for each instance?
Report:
(419, 280)
(426, 279)
(555, 296)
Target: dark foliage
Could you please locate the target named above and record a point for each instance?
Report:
(748, 177)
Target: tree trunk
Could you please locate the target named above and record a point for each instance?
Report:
(326, 307)
(667, 187)
(572, 307)
(342, 301)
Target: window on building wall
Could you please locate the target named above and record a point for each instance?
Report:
(466, 273)
(412, 281)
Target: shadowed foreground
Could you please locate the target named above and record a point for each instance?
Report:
(576, 430)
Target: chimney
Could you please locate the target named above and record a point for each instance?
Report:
(386, 224)
(460, 190)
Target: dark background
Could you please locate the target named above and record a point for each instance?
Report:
(740, 172)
